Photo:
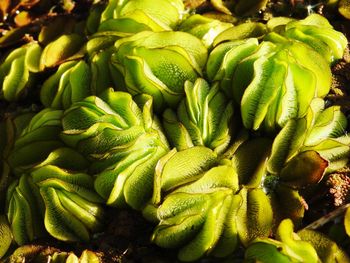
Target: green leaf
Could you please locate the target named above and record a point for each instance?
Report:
(32, 57)
(254, 216)
(60, 50)
(250, 161)
(304, 169)
(327, 250)
(177, 133)
(16, 80)
(200, 217)
(286, 203)
(5, 236)
(184, 166)
(155, 11)
(265, 253)
(242, 31)
(59, 222)
(294, 247)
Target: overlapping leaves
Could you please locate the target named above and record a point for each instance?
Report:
(212, 192)
(288, 246)
(268, 175)
(204, 117)
(132, 16)
(244, 69)
(123, 142)
(143, 60)
(62, 200)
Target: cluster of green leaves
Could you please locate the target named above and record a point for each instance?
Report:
(239, 128)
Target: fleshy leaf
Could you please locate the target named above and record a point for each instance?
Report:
(254, 216)
(304, 169)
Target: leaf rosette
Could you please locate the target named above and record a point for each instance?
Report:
(244, 70)
(298, 58)
(158, 64)
(289, 246)
(36, 141)
(198, 213)
(302, 153)
(204, 117)
(55, 198)
(205, 28)
(17, 71)
(69, 84)
(10, 129)
(322, 130)
(25, 210)
(192, 185)
(122, 140)
(21, 67)
(133, 16)
(318, 33)
(202, 210)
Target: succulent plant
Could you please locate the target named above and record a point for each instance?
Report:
(327, 250)
(134, 16)
(318, 33)
(204, 117)
(10, 129)
(54, 197)
(321, 130)
(61, 49)
(17, 71)
(303, 246)
(247, 68)
(123, 142)
(22, 65)
(72, 207)
(202, 209)
(99, 49)
(243, 69)
(204, 28)
(158, 64)
(37, 140)
(198, 212)
(25, 210)
(303, 152)
(287, 248)
(98, 141)
(250, 194)
(70, 83)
